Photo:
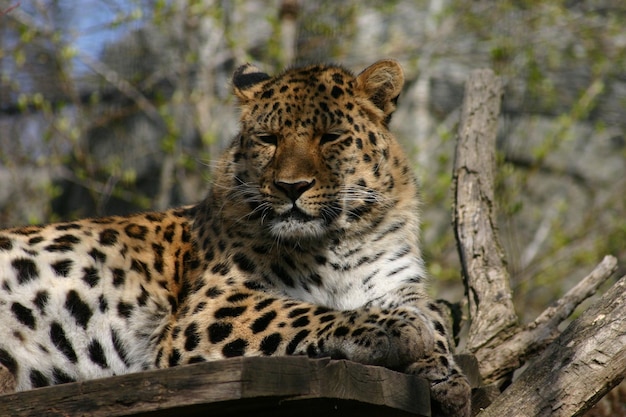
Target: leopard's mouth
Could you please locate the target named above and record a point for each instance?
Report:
(295, 215)
(296, 225)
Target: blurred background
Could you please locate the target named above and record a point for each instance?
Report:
(115, 106)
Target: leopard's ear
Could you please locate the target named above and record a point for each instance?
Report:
(245, 78)
(382, 83)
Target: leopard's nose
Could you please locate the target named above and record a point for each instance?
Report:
(294, 190)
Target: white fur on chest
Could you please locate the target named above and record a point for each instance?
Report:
(362, 272)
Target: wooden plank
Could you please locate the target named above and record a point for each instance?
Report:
(138, 392)
(277, 376)
(374, 385)
(278, 386)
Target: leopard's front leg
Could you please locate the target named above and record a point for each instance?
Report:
(249, 324)
(254, 323)
(450, 389)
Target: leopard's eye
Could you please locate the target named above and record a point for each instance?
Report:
(329, 137)
(267, 138)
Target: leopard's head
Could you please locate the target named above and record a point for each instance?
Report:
(314, 155)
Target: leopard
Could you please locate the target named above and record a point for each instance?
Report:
(307, 243)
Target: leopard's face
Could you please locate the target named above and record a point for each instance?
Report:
(313, 152)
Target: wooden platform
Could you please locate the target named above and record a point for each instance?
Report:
(277, 386)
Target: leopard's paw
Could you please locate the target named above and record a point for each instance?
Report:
(389, 340)
(450, 391)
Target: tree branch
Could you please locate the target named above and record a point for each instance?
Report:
(482, 258)
(125, 87)
(507, 352)
(577, 369)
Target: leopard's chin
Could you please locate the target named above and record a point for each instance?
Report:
(297, 226)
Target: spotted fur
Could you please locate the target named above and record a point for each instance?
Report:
(307, 243)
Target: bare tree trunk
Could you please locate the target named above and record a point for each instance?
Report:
(288, 15)
(509, 351)
(577, 366)
(482, 258)
(577, 369)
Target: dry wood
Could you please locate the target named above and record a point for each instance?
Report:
(482, 258)
(578, 368)
(277, 386)
(507, 352)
